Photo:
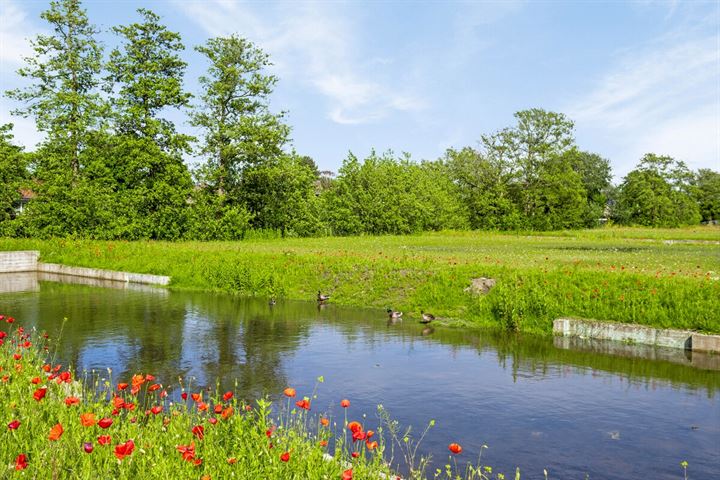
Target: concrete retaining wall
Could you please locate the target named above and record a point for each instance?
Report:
(20, 261)
(103, 274)
(628, 333)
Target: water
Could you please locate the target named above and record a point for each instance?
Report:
(536, 404)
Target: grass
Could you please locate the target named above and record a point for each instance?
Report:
(56, 425)
(657, 277)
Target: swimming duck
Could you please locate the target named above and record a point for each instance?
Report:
(393, 315)
(426, 317)
(322, 298)
(271, 302)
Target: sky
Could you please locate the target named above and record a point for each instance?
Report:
(422, 77)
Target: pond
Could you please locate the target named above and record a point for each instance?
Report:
(538, 403)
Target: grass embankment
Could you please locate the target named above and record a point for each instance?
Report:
(661, 278)
(55, 426)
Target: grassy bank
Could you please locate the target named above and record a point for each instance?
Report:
(663, 278)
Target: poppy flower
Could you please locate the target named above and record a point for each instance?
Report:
(137, 380)
(199, 431)
(135, 389)
(118, 402)
(304, 404)
(56, 432)
(187, 451)
(87, 419)
(324, 422)
(40, 393)
(150, 378)
(64, 377)
(2, 335)
(371, 445)
(196, 396)
(21, 462)
(358, 435)
(269, 431)
(345, 403)
(104, 440)
(88, 447)
(455, 448)
(129, 406)
(323, 443)
(105, 422)
(370, 433)
(69, 401)
(285, 457)
(347, 474)
(232, 460)
(218, 408)
(202, 406)
(163, 394)
(17, 356)
(355, 454)
(154, 387)
(227, 413)
(248, 408)
(227, 396)
(213, 420)
(156, 409)
(124, 449)
(35, 380)
(14, 425)
(122, 386)
(353, 426)
(184, 395)
(289, 392)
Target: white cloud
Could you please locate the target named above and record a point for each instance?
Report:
(663, 97)
(318, 45)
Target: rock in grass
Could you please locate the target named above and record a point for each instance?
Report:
(480, 286)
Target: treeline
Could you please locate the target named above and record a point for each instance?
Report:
(111, 162)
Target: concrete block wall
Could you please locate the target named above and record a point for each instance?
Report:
(20, 261)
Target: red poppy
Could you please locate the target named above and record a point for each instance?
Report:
(57, 368)
(104, 440)
(122, 386)
(227, 396)
(196, 396)
(269, 431)
(35, 380)
(56, 432)
(355, 454)
(129, 406)
(21, 462)
(285, 457)
(199, 431)
(370, 433)
(124, 449)
(187, 451)
(345, 403)
(163, 394)
(324, 422)
(105, 422)
(87, 419)
(218, 408)
(289, 392)
(154, 387)
(202, 406)
(40, 393)
(232, 460)
(184, 395)
(2, 334)
(88, 447)
(347, 474)
(17, 356)
(354, 426)
(137, 380)
(156, 409)
(371, 445)
(455, 448)
(135, 389)
(213, 420)
(69, 401)
(227, 413)
(64, 377)
(248, 408)
(150, 378)
(322, 443)
(14, 425)
(358, 435)
(304, 404)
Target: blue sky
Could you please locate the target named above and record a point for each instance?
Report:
(421, 77)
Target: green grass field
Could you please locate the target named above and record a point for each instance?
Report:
(657, 277)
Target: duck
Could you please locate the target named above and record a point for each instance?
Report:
(322, 297)
(426, 317)
(271, 302)
(393, 315)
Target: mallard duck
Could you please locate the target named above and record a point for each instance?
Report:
(426, 317)
(322, 298)
(393, 315)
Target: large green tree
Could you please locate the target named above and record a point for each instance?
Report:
(238, 129)
(13, 173)
(707, 194)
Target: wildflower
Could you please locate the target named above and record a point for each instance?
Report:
(345, 403)
(455, 448)
(104, 440)
(218, 408)
(227, 396)
(371, 445)
(202, 406)
(199, 431)
(64, 377)
(35, 380)
(323, 443)
(285, 457)
(289, 392)
(87, 419)
(154, 387)
(347, 474)
(212, 420)
(184, 395)
(17, 356)
(304, 404)
(88, 447)
(14, 425)
(137, 380)
(227, 413)
(118, 402)
(56, 432)
(358, 435)
(69, 401)
(156, 409)
(353, 426)
(324, 422)
(124, 449)
(355, 454)
(196, 396)
(232, 460)
(187, 451)
(40, 393)
(122, 386)
(21, 462)
(105, 422)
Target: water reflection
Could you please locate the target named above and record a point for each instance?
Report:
(610, 411)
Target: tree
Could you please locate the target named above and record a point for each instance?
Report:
(657, 193)
(63, 97)
(595, 174)
(13, 172)
(707, 194)
(239, 131)
(145, 155)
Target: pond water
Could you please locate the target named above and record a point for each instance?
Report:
(537, 403)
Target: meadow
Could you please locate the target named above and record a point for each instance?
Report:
(657, 277)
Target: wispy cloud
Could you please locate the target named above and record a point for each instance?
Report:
(15, 28)
(663, 96)
(320, 47)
